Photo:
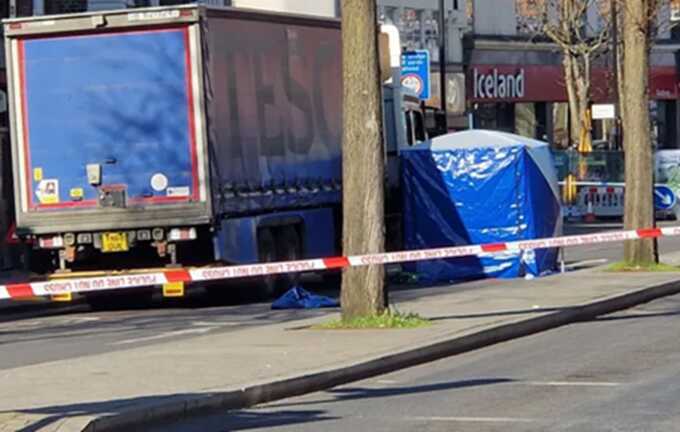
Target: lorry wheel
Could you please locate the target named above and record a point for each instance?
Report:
(266, 249)
(289, 249)
(332, 279)
(119, 301)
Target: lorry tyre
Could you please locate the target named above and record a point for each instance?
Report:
(118, 301)
(332, 279)
(289, 249)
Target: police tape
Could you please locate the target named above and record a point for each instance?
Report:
(205, 274)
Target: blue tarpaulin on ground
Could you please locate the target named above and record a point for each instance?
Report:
(299, 298)
(478, 187)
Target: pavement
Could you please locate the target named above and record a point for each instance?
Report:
(563, 380)
(130, 388)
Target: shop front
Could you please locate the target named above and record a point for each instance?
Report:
(531, 99)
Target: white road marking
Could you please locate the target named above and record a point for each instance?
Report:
(387, 382)
(592, 262)
(212, 323)
(84, 319)
(474, 419)
(200, 330)
(573, 383)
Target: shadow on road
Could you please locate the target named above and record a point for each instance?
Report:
(249, 420)
(636, 316)
(497, 314)
(343, 394)
(49, 415)
(227, 318)
(241, 420)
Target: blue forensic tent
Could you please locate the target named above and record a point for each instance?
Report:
(479, 187)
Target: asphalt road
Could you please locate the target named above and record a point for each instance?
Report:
(617, 373)
(40, 334)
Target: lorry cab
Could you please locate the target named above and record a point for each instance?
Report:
(414, 119)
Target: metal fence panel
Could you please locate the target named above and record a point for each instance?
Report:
(599, 166)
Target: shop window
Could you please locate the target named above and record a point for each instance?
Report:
(496, 116)
(23, 8)
(506, 117)
(525, 120)
(667, 125)
(529, 15)
(4, 116)
(675, 33)
(560, 125)
(675, 10)
(419, 126)
(598, 135)
(530, 8)
(541, 110)
(64, 6)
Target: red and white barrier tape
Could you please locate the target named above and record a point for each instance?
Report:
(89, 284)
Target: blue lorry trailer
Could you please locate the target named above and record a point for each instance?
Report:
(175, 136)
(183, 135)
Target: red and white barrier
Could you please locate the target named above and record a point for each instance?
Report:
(89, 284)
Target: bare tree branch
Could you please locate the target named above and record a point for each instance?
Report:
(566, 23)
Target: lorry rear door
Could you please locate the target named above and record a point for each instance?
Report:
(108, 120)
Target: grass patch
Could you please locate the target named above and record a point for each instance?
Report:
(627, 267)
(390, 319)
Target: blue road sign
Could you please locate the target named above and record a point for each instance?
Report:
(664, 198)
(415, 72)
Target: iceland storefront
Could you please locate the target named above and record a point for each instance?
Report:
(519, 90)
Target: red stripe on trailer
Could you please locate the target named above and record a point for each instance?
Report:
(193, 143)
(11, 237)
(178, 276)
(24, 124)
(336, 262)
(20, 291)
(494, 247)
(649, 233)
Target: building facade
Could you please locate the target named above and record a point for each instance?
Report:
(517, 85)
(496, 75)
(418, 22)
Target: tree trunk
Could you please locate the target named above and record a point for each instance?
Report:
(639, 205)
(569, 81)
(581, 66)
(362, 160)
(618, 46)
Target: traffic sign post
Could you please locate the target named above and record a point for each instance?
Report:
(415, 72)
(664, 198)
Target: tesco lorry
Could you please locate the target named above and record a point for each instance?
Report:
(179, 136)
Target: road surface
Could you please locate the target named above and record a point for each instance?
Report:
(616, 373)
